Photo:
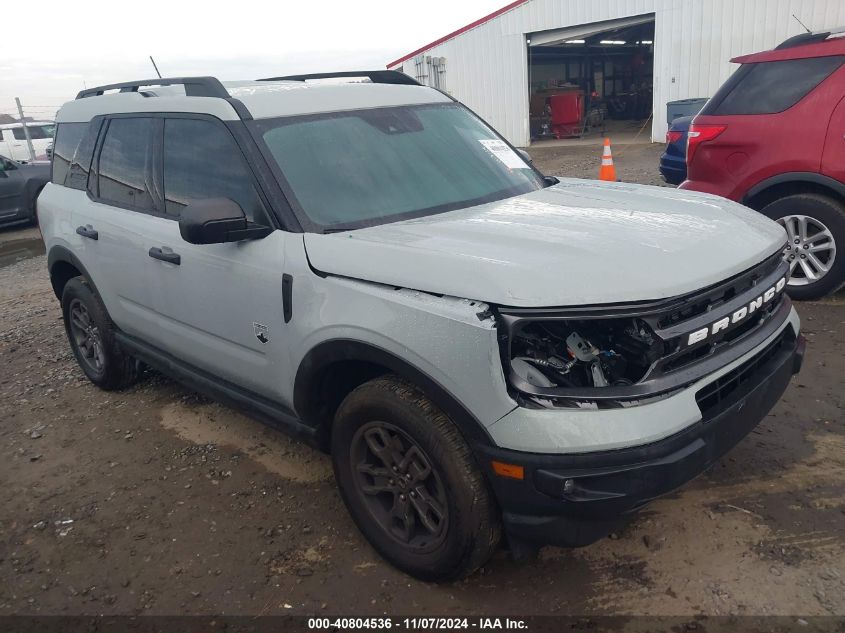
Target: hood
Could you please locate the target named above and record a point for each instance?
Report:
(576, 243)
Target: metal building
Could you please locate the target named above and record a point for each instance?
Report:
(627, 58)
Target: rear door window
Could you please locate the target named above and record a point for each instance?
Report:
(125, 165)
(771, 87)
(202, 160)
(67, 140)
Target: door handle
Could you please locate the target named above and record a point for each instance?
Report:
(87, 231)
(169, 257)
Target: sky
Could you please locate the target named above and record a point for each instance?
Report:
(94, 42)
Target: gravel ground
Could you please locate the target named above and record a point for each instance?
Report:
(634, 163)
(157, 501)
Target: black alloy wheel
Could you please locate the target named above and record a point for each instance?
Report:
(398, 485)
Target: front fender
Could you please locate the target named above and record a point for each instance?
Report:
(334, 351)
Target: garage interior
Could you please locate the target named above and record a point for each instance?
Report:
(591, 79)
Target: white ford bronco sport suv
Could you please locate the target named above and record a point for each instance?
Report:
(483, 350)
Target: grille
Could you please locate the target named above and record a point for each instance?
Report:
(697, 353)
(711, 298)
(711, 396)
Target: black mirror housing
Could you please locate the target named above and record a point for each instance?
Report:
(216, 221)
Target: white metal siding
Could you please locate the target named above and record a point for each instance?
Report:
(486, 67)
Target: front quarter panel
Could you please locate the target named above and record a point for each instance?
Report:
(442, 337)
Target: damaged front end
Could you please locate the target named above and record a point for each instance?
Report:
(625, 355)
(578, 362)
(582, 353)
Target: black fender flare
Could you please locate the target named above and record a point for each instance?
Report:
(59, 254)
(334, 350)
(32, 189)
(797, 177)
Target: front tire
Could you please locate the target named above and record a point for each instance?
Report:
(91, 335)
(411, 483)
(815, 225)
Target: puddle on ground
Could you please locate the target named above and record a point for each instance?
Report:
(14, 251)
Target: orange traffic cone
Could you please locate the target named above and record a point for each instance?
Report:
(607, 171)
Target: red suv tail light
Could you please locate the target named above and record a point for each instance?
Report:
(699, 134)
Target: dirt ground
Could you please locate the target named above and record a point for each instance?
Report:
(157, 501)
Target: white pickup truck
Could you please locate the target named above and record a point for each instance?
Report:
(13, 140)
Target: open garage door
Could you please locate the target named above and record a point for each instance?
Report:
(594, 77)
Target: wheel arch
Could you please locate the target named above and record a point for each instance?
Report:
(792, 183)
(64, 266)
(33, 189)
(332, 369)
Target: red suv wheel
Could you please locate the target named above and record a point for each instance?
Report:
(815, 226)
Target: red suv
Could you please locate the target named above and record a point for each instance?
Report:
(773, 138)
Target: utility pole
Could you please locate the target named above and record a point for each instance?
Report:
(25, 130)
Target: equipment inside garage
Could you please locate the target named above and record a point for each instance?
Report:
(580, 77)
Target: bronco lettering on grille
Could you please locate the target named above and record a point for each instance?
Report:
(737, 316)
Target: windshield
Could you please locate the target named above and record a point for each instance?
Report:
(364, 167)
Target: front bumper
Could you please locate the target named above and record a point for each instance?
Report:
(576, 499)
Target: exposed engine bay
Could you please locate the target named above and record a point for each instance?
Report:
(584, 353)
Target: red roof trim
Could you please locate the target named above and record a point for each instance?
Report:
(464, 29)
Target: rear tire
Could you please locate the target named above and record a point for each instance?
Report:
(816, 250)
(91, 335)
(411, 483)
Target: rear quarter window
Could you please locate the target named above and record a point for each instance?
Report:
(67, 140)
(771, 87)
(80, 166)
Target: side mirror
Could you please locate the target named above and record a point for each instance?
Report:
(215, 221)
(525, 156)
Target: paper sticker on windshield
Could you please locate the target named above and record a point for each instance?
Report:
(504, 153)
